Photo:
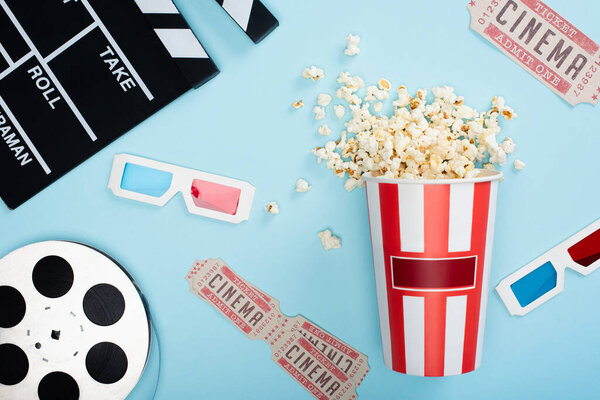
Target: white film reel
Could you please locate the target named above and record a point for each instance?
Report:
(73, 325)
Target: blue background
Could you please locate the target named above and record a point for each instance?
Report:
(241, 125)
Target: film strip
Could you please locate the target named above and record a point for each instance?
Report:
(77, 74)
(324, 365)
(73, 325)
(252, 16)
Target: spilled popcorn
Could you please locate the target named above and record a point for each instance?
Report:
(272, 208)
(324, 99)
(440, 139)
(324, 130)
(339, 110)
(298, 104)
(313, 73)
(329, 241)
(352, 45)
(319, 112)
(302, 186)
(519, 165)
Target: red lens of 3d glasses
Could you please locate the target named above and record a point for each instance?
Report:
(586, 251)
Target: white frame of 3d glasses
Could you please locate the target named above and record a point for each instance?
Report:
(182, 179)
(560, 259)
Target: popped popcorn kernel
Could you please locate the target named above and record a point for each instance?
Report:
(508, 145)
(519, 165)
(272, 208)
(384, 84)
(339, 110)
(324, 130)
(313, 73)
(302, 186)
(377, 107)
(298, 104)
(352, 45)
(329, 241)
(319, 112)
(323, 99)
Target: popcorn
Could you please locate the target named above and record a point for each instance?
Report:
(319, 112)
(324, 130)
(323, 99)
(508, 145)
(302, 186)
(519, 165)
(384, 84)
(352, 83)
(352, 45)
(298, 104)
(313, 73)
(329, 241)
(442, 139)
(272, 208)
(374, 93)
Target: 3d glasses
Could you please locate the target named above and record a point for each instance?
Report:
(544, 277)
(205, 194)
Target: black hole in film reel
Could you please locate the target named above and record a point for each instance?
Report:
(104, 304)
(14, 364)
(106, 362)
(58, 386)
(12, 307)
(52, 276)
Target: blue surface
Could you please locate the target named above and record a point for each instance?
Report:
(149, 181)
(241, 124)
(535, 284)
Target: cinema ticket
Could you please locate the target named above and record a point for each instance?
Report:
(324, 365)
(543, 43)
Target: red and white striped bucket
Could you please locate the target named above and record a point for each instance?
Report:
(432, 248)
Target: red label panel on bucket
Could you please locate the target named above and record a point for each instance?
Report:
(438, 274)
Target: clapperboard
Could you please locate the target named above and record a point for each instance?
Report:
(77, 74)
(252, 16)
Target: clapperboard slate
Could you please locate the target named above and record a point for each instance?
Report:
(77, 74)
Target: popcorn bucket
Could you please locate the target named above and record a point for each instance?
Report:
(432, 248)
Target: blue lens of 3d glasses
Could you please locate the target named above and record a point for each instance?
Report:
(144, 180)
(535, 284)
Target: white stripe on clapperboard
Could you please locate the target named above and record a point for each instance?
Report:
(26, 139)
(157, 6)
(6, 55)
(181, 43)
(239, 10)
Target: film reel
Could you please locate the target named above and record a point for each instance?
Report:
(73, 325)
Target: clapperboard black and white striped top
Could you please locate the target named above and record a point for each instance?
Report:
(179, 40)
(77, 74)
(252, 16)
